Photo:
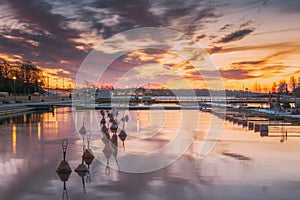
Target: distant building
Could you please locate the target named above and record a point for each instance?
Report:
(297, 92)
(103, 95)
(3, 94)
(146, 96)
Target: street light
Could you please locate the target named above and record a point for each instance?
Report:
(48, 85)
(64, 146)
(247, 103)
(14, 78)
(56, 89)
(38, 87)
(25, 87)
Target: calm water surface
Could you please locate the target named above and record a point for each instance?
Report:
(242, 165)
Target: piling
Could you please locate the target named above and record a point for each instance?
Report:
(256, 127)
(250, 126)
(264, 130)
(245, 123)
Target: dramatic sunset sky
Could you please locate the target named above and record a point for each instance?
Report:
(248, 40)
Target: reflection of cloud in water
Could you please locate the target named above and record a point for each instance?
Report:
(169, 139)
(237, 156)
(271, 174)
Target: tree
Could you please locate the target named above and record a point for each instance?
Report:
(265, 88)
(274, 87)
(28, 77)
(283, 86)
(293, 82)
(257, 87)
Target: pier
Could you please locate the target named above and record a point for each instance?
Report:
(208, 99)
(17, 108)
(158, 103)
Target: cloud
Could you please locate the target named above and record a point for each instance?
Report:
(184, 16)
(226, 26)
(49, 31)
(255, 47)
(258, 62)
(136, 11)
(291, 6)
(262, 68)
(214, 49)
(199, 37)
(237, 35)
(245, 24)
(37, 14)
(282, 54)
(236, 74)
(60, 30)
(278, 31)
(297, 73)
(45, 38)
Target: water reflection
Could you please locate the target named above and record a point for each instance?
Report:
(39, 130)
(30, 117)
(36, 126)
(14, 138)
(284, 136)
(226, 173)
(64, 170)
(64, 177)
(82, 172)
(110, 140)
(267, 126)
(83, 169)
(110, 135)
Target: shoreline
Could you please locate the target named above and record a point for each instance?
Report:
(48, 103)
(38, 103)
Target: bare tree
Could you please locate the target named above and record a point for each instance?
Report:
(293, 82)
(257, 87)
(27, 76)
(274, 87)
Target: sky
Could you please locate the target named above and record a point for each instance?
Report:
(247, 41)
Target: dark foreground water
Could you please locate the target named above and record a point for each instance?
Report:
(242, 165)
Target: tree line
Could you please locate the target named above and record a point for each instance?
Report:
(282, 86)
(20, 77)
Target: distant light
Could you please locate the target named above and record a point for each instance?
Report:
(14, 78)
